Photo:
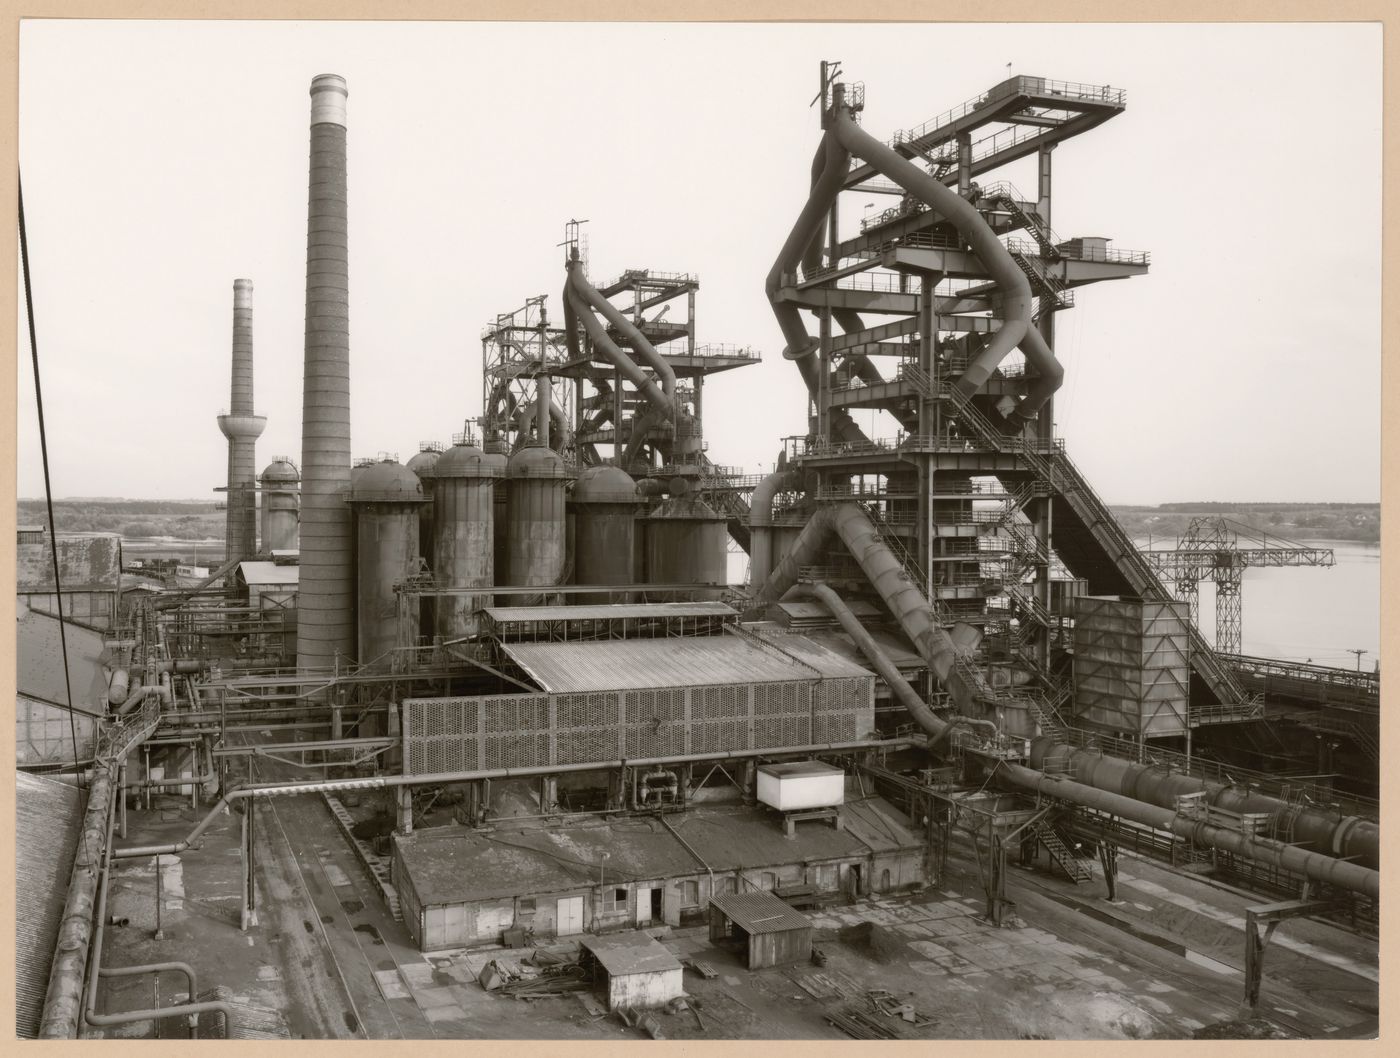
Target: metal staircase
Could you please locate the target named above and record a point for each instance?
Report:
(1077, 870)
(1053, 466)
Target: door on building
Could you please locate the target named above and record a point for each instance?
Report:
(670, 905)
(569, 919)
(648, 905)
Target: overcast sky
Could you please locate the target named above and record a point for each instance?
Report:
(163, 160)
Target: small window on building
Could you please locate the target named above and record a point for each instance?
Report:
(730, 885)
(768, 880)
(527, 905)
(614, 900)
(690, 894)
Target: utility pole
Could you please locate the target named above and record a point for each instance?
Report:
(1358, 654)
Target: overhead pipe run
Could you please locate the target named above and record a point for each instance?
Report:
(1017, 301)
(1323, 829)
(383, 782)
(1314, 866)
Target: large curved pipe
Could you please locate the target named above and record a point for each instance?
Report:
(1018, 303)
(139, 695)
(527, 414)
(589, 295)
(761, 523)
(1312, 865)
(805, 239)
(576, 309)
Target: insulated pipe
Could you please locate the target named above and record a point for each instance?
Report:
(1312, 865)
(326, 595)
(761, 523)
(242, 428)
(90, 1015)
(576, 309)
(1016, 330)
(63, 1000)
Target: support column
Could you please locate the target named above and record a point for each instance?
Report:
(928, 342)
(964, 162)
(1045, 422)
(824, 376)
(618, 446)
(1108, 859)
(405, 809)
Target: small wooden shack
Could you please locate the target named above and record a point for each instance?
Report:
(760, 928)
(632, 969)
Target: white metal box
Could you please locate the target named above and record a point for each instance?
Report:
(801, 784)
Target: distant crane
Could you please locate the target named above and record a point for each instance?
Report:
(1210, 548)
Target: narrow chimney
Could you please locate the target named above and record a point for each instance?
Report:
(326, 599)
(242, 428)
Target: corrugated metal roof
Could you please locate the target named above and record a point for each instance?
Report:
(86, 562)
(39, 662)
(624, 954)
(675, 662)
(48, 818)
(520, 614)
(759, 912)
(265, 573)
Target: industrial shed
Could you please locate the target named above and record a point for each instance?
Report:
(761, 929)
(633, 970)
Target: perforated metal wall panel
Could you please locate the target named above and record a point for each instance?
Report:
(537, 730)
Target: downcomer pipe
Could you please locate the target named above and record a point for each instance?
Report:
(1016, 330)
(899, 593)
(586, 293)
(242, 428)
(761, 523)
(889, 672)
(805, 551)
(326, 596)
(577, 308)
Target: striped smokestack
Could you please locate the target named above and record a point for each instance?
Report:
(325, 602)
(242, 428)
